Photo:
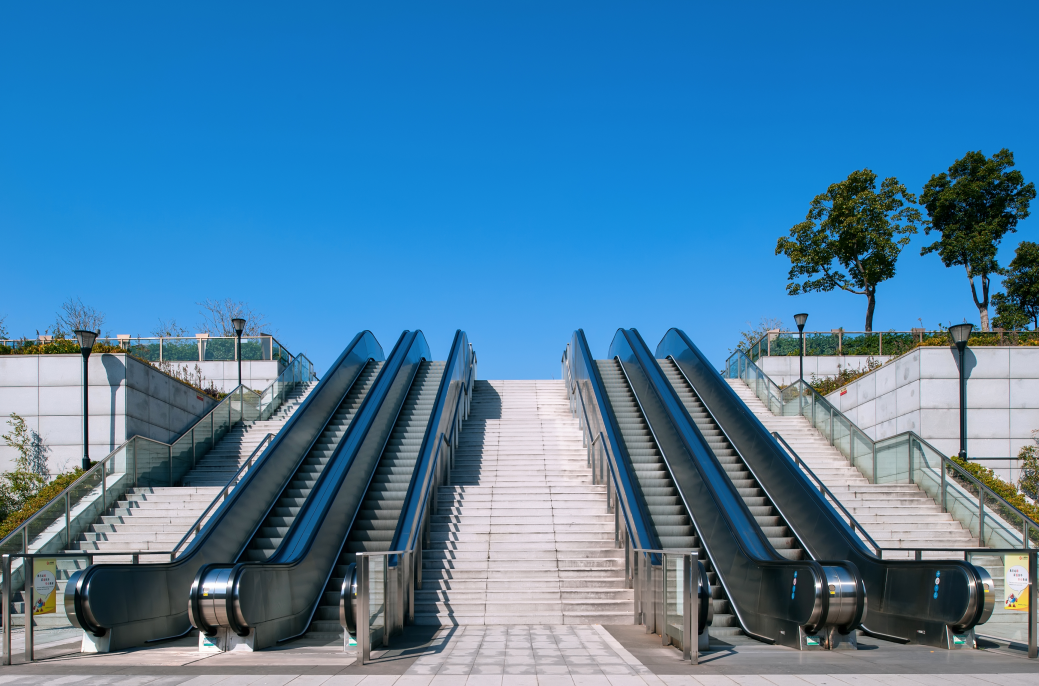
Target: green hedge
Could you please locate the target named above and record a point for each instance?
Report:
(34, 504)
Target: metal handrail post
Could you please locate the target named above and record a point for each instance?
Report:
(5, 561)
(27, 605)
(363, 629)
(1033, 600)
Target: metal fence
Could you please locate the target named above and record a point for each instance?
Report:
(887, 343)
(183, 348)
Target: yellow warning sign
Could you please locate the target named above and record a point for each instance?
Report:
(44, 585)
(1015, 582)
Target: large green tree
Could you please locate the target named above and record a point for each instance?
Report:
(1019, 306)
(973, 205)
(851, 238)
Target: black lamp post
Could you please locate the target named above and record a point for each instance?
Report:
(86, 345)
(800, 320)
(960, 333)
(239, 327)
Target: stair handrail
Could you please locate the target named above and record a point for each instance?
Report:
(740, 366)
(823, 488)
(577, 356)
(431, 465)
(233, 481)
(101, 470)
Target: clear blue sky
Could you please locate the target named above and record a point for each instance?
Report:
(513, 169)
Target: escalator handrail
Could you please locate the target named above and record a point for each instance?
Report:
(298, 539)
(745, 462)
(578, 358)
(855, 526)
(462, 364)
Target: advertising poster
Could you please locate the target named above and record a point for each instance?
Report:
(1015, 582)
(44, 585)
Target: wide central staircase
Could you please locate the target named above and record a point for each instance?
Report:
(521, 536)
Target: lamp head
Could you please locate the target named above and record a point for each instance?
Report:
(960, 333)
(800, 320)
(86, 340)
(239, 325)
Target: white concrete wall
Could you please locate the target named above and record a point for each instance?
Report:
(126, 398)
(919, 392)
(256, 374)
(783, 369)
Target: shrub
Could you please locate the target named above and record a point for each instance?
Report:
(844, 376)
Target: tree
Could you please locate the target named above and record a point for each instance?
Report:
(973, 205)
(75, 315)
(1021, 282)
(217, 316)
(168, 328)
(857, 240)
(754, 334)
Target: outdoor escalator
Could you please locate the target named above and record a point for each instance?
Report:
(287, 584)
(758, 501)
(380, 512)
(281, 516)
(667, 513)
(696, 492)
(962, 593)
(123, 605)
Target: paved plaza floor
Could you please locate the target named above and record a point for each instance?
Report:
(538, 655)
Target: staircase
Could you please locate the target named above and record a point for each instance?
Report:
(666, 510)
(895, 515)
(154, 519)
(761, 507)
(377, 521)
(272, 531)
(521, 536)
(221, 463)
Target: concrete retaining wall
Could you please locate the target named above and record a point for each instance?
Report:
(784, 369)
(919, 392)
(256, 374)
(126, 398)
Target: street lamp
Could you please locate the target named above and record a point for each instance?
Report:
(239, 327)
(800, 320)
(960, 333)
(86, 345)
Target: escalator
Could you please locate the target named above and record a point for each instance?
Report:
(123, 605)
(758, 502)
(354, 506)
(667, 513)
(281, 516)
(380, 511)
(772, 596)
(898, 611)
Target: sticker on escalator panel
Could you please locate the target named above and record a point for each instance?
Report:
(812, 640)
(793, 589)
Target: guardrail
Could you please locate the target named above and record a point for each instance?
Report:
(181, 348)
(387, 601)
(888, 343)
(903, 458)
(144, 462)
(7, 591)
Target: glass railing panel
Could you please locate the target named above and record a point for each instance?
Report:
(894, 343)
(785, 344)
(47, 529)
(860, 451)
(253, 348)
(218, 349)
(153, 463)
(221, 419)
(821, 344)
(376, 620)
(182, 453)
(250, 406)
(860, 344)
(892, 456)
(673, 596)
(1010, 618)
(180, 350)
(147, 350)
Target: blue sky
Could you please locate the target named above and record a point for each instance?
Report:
(513, 169)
